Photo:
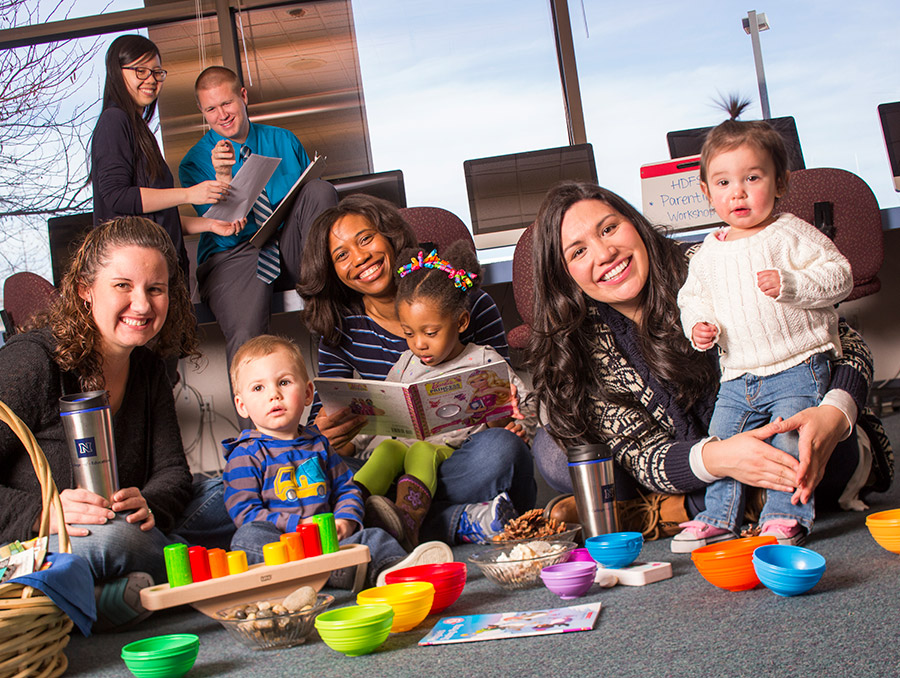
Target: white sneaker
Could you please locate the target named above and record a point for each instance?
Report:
(480, 522)
(428, 553)
(695, 534)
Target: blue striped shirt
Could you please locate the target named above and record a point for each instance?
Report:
(284, 481)
(370, 351)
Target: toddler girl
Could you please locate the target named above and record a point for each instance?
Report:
(764, 290)
(432, 305)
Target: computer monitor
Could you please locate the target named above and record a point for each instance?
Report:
(505, 191)
(386, 185)
(66, 234)
(890, 126)
(683, 143)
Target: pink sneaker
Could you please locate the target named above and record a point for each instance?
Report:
(785, 531)
(695, 534)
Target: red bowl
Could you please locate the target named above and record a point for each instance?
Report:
(729, 564)
(448, 579)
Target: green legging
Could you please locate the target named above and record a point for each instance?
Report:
(420, 460)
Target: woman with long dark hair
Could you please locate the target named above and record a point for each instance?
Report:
(349, 290)
(128, 173)
(611, 365)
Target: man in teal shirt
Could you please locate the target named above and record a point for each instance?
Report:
(227, 265)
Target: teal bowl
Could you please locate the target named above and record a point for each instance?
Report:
(617, 549)
(357, 629)
(168, 656)
(788, 570)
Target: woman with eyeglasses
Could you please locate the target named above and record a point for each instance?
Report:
(128, 173)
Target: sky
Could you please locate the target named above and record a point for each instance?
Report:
(446, 82)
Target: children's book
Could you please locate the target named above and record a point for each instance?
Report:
(458, 399)
(513, 624)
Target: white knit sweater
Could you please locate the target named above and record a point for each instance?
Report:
(759, 334)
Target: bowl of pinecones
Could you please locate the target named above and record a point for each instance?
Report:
(533, 526)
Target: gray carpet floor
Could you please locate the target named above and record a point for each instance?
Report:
(846, 626)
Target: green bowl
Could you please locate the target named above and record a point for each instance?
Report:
(168, 656)
(357, 629)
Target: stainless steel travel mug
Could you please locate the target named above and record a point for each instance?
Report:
(591, 470)
(87, 421)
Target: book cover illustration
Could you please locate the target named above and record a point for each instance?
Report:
(477, 627)
(458, 399)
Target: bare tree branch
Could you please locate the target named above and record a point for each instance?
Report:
(44, 134)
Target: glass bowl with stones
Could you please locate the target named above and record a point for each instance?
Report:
(270, 624)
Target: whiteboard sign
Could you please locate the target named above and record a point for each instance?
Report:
(672, 196)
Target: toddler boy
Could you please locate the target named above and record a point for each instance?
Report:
(280, 474)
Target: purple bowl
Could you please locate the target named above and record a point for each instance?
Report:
(569, 580)
(581, 554)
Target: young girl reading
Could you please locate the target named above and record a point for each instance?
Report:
(764, 290)
(433, 307)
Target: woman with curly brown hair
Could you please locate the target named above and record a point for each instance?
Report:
(123, 307)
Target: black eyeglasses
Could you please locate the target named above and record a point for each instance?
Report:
(143, 73)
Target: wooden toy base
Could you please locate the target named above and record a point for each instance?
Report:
(259, 582)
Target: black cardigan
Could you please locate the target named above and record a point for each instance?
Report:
(148, 444)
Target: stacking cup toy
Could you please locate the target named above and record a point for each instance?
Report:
(884, 526)
(199, 563)
(617, 549)
(355, 630)
(448, 579)
(237, 562)
(729, 564)
(294, 543)
(309, 534)
(788, 570)
(275, 553)
(171, 656)
(327, 532)
(218, 563)
(571, 579)
(178, 565)
(411, 602)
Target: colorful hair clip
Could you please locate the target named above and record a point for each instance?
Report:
(460, 277)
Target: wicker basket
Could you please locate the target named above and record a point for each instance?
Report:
(33, 630)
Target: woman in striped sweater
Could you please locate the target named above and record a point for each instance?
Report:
(348, 289)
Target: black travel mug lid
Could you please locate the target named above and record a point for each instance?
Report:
(592, 452)
(78, 402)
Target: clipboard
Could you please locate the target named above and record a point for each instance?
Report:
(313, 171)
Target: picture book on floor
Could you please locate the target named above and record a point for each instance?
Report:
(465, 397)
(476, 627)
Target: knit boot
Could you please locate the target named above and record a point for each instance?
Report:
(413, 502)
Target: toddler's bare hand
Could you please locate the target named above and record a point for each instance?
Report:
(703, 335)
(769, 283)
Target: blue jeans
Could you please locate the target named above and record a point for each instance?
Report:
(384, 550)
(749, 402)
(118, 547)
(489, 462)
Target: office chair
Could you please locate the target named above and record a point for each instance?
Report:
(436, 225)
(523, 289)
(842, 206)
(26, 294)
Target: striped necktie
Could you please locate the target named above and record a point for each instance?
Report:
(268, 265)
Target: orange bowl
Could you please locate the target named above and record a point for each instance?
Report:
(729, 564)
(884, 527)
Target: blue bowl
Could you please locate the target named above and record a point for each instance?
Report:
(788, 570)
(617, 549)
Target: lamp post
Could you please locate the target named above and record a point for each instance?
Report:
(754, 23)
